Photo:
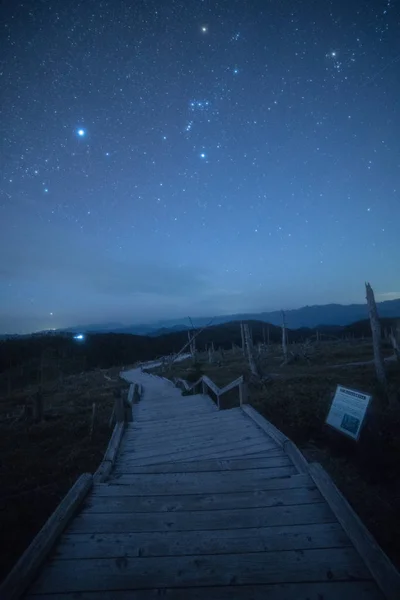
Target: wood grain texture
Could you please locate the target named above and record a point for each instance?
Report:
(293, 482)
(192, 483)
(234, 464)
(334, 590)
(321, 565)
(230, 449)
(265, 425)
(235, 518)
(110, 455)
(236, 541)
(385, 574)
(119, 503)
(27, 566)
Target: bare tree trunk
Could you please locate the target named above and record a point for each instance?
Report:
(243, 338)
(210, 355)
(249, 348)
(173, 358)
(284, 338)
(395, 339)
(376, 337)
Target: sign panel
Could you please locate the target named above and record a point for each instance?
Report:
(348, 411)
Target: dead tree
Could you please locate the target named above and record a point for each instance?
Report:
(395, 339)
(376, 337)
(192, 346)
(173, 358)
(210, 354)
(249, 349)
(243, 339)
(284, 338)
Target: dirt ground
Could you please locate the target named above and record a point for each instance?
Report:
(297, 401)
(40, 462)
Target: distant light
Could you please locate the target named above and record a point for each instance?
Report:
(81, 132)
(79, 337)
(202, 155)
(204, 29)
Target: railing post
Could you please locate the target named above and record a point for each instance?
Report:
(119, 409)
(203, 387)
(242, 393)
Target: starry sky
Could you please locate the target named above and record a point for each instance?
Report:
(169, 158)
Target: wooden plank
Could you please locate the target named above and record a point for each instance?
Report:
(299, 461)
(170, 454)
(211, 385)
(192, 426)
(235, 464)
(168, 415)
(383, 571)
(344, 590)
(217, 451)
(337, 564)
(110, 455)
(206, 482)
(191, 502)
(265, 425)
(27, 566)
(284, 483)
(235, 518)
(182, 543)
(141, 442)
(217, 417)
(231, 385)
(183, 444)
(231, 452)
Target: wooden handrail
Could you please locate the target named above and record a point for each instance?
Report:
(208, 383)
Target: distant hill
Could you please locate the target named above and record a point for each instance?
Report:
(323, 317)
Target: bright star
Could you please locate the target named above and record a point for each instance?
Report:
(235, 71)
(204, 29)
(81, 132)
(202, 155)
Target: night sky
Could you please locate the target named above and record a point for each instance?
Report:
(169, 158)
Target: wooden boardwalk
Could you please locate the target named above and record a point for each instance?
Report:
(203, 504)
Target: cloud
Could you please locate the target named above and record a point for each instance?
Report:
(388, 296)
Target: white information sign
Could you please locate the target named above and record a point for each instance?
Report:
(347, 411)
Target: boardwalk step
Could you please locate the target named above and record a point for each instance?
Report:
(314, 565)
(236, 541)
(344, 590)
(122, 500)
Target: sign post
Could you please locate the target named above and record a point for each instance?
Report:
(347, 411)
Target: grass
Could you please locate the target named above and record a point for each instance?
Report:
(40, 462)
(297, 402)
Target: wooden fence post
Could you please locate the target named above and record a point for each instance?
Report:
(119, 409)
(242, 393)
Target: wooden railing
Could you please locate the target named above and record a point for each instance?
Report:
(207, 383)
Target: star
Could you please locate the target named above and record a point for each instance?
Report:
(203, 155)
(81, 132)
(204, 29)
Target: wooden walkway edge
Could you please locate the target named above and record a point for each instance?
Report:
(193, 503)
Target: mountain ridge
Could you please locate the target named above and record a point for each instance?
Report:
(313, 316)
